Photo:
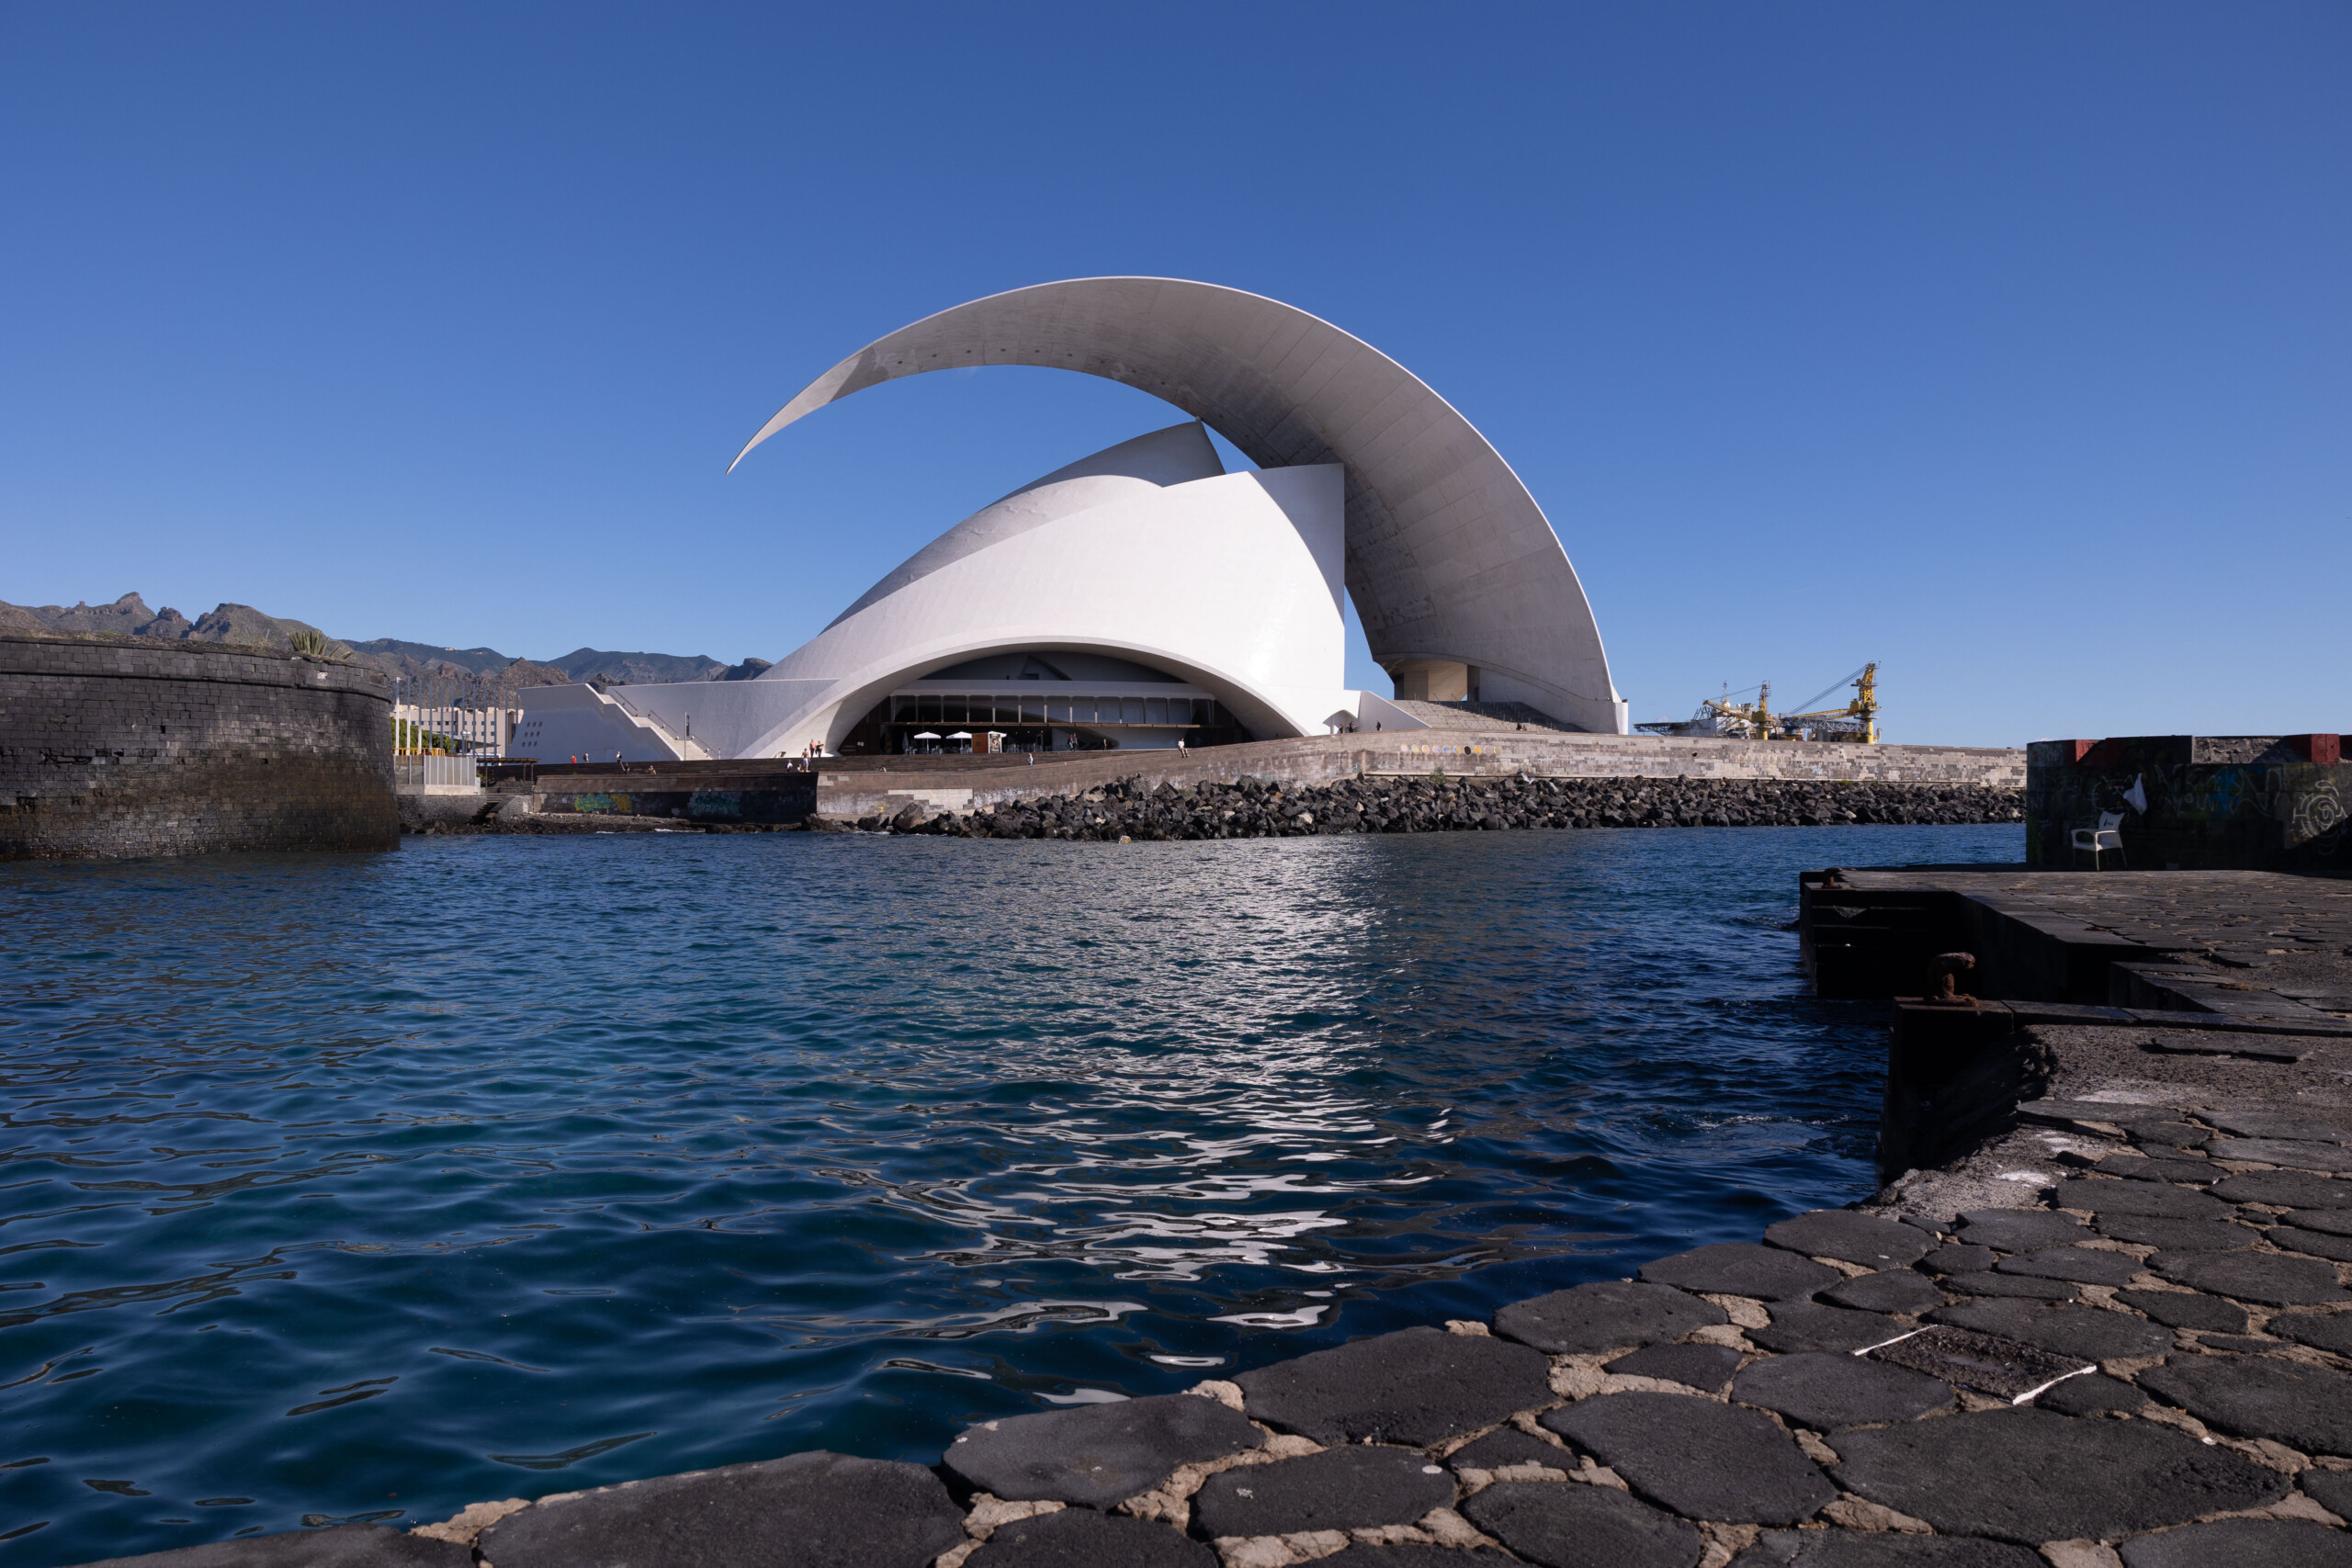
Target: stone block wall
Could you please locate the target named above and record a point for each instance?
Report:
(117, 747)
(2193, 802)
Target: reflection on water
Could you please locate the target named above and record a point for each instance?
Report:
(366, 1188)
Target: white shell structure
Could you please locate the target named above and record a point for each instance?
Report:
(1145, 579)
(1448, 557)
(1225, 586)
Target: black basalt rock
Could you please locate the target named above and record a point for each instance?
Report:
(1705, 1366)
(1097, 1454)
(1850, 1237)
(1889, 1290)
(2265, 1278)
(1508, 1446)
(2020, 1230)
(838, 1512)
(2242, 1543)
(1417, 1386)
(2031, 1476)
(1611, 1315)
(1807, 1325)
(1357, 1487)
(2260, 1397)
(1702, 1460)
(1849, 1548)
(1742, 1269)
(2188, 1309)
(1582, 1527)
(1081, 1537)
(1826, 1392)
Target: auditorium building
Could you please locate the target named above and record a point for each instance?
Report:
(1143, 597)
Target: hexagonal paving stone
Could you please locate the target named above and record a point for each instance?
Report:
(337, 1546)
(2287, 1151)
(1344, 1488)
(1849, 1548)
(2178, 1235)
(2320, 1330)
(1081, 1537)
(1097, 1454)
(2260, 1397)
(2027, 1285)
(1705, 1366)
(1889, 1290)
(1582, 1527)
(2331, 1489)
(2088, 1334)
(1742, 1269)
(1417, 1386)
(1615, 1314)
(1826, 1391)
(2329, 1221)
(2020, 1230)
(2082, 1265)
(2093, 1394)
(2312, 1244)
(2031, 1476)
(2188, 1172)
(2156, 1199)
(2262, 1277)
(2188, 1309)
(2297, 1124)
(838, 1512)
(1958, 1259)
(1702, 1460)
(1807, 1325)
(2287, 1188)
(1867, 1239)
(1365, 1555)
(1508, 1446)
(1989, 1363)
(2242, 1543)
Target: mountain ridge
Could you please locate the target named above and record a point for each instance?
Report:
(472, 672)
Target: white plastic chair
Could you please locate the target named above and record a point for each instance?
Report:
(2102, 838)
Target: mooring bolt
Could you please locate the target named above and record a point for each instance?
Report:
(1944, 971)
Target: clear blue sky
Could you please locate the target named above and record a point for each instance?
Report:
(2008, 344)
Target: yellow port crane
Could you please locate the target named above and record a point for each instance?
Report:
(1857, 721)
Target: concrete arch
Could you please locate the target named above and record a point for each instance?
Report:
(1448, 555)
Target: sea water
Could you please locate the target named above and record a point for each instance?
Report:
(366, 1187)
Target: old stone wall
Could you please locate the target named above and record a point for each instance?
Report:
(114, 747)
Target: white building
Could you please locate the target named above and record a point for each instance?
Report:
(1028, 621)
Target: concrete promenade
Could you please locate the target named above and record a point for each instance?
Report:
(2110, 1325)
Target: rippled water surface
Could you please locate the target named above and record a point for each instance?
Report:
(368, 1187)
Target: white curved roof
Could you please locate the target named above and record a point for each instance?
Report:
(1148, 552)
(1448, 557)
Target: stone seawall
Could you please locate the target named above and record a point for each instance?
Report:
(1374, 804)
(857, 788)
(112, 748)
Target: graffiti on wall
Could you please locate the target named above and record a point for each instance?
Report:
(2191, 803)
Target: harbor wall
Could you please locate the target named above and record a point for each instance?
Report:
(115, 746)
(2192, 802)
(860, 786)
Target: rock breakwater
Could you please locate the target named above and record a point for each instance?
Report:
(1251, 809)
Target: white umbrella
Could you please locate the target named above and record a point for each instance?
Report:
(926, 735)
(960, 734)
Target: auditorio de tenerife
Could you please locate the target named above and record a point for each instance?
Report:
(1144, 596)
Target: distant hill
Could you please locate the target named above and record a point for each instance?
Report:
(637, 668)
(469, 674)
